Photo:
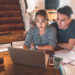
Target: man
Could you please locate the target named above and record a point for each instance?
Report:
(65, 27)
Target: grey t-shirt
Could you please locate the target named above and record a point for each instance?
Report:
(48, 38)
(63, 36)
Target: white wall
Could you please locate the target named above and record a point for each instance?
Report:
(73, 7)
(35, 3)
(71, 3)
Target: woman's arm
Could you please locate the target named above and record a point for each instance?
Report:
(28, 39)
(46, 47)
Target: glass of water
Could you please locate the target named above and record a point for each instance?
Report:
(57, 62)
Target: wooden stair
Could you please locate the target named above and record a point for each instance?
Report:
(11, 21)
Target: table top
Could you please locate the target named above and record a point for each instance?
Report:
(9, 68)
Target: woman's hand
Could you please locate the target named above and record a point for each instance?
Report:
(32, 46)
(25, 47)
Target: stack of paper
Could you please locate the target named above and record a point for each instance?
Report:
(68, 56)
(18, 44)
(4, 47)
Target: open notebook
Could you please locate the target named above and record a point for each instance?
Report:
(68, 56)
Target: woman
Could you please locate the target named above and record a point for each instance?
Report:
(41, 36)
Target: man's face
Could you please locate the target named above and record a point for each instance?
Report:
(63, 21)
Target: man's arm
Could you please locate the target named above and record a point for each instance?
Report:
(69, 45)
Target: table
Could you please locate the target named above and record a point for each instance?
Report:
(17, 69)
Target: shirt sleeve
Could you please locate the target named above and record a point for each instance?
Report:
(29, 38)
(52, 36)
(72, 34)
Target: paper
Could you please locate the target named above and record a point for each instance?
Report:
(68, 56)
(4, 47)
(18, 44)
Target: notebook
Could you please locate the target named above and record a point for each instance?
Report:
(68, 56)
(35, 58)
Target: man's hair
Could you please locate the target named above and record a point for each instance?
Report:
(66, 10)
(42, 13)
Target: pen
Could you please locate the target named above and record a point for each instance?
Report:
(61, 70)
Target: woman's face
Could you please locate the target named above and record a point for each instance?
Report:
(41, 22)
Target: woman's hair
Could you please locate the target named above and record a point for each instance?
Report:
(42, 13)
(65, 10)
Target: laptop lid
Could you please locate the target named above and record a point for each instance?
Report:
(29, 57)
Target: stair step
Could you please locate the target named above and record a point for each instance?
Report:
(11, 21)
(10, 13)
(6, 33)
(9, 2)
(6, 27)
(10, 7)
(10, 18)
(11, 25)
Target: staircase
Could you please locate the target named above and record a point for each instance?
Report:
(11, 21)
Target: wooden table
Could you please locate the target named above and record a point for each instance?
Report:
(16, 69)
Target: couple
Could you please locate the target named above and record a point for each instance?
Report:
(43, 36)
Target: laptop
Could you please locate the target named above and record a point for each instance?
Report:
(35, 58)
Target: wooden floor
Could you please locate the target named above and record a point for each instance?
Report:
(13, 36)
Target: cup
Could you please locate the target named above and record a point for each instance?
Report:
(57, 62)
(51, 61)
